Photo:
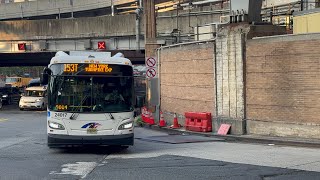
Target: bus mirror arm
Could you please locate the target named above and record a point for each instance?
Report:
(44, 78)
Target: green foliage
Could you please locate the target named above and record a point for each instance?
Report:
(138, 121)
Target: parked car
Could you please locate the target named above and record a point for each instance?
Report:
(34, 98)
(136, 72)
(10, 95)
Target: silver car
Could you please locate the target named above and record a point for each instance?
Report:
(34, 98)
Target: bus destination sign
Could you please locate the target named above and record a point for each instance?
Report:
(92, 68)
(98, 68)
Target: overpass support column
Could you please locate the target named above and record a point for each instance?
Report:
(153, 85)
(138, 24)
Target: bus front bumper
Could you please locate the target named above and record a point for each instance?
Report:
(55, 140)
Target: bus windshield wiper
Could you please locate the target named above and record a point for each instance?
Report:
(73, 115)
(111, 116)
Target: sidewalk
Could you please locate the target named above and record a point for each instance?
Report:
(270, 140)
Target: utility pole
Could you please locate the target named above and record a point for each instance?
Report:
(138, 22)
(177, 16)
(151, 45)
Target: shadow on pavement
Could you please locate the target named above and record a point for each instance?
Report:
(90, 149)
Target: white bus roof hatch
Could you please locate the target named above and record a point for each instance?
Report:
(90, 53)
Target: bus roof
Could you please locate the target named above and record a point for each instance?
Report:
(36, 88)
(62, 57)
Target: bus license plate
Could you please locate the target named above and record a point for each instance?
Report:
(92, 131)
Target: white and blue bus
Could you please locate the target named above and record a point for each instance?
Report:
(90, 99)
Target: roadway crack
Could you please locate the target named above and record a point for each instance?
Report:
(9, 142)
(291, 172)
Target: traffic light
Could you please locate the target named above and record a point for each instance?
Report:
(21, 46)
(102, 45)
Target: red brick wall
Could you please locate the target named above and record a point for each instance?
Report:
(187, 78)
(283, 80)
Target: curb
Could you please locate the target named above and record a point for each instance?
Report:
(244, 139)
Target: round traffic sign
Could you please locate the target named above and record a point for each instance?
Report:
(151, 62)
(151, 73)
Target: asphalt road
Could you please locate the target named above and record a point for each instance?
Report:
(156, 155)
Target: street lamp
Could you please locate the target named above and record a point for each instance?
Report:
(21, 11)
(112, 8)
(71, 4)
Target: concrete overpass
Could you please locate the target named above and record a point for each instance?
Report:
(56, 9)
(44, 37)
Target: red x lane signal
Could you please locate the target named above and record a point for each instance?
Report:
(101, 45)
(22, 46)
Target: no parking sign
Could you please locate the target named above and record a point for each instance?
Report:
(151, 63)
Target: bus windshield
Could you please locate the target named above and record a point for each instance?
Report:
(90, 93)
(34, 93)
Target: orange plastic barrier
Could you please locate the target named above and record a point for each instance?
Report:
(199, 122)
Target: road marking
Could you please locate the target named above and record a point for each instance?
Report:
(78, 169)
(12, 141)
(2, 119)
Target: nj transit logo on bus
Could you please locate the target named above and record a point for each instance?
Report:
(91, 125)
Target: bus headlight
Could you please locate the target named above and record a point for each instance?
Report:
(55, 125)
(126, 125)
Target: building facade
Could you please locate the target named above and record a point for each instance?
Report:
(306, 21)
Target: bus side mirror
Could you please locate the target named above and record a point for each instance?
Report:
(44, 78)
